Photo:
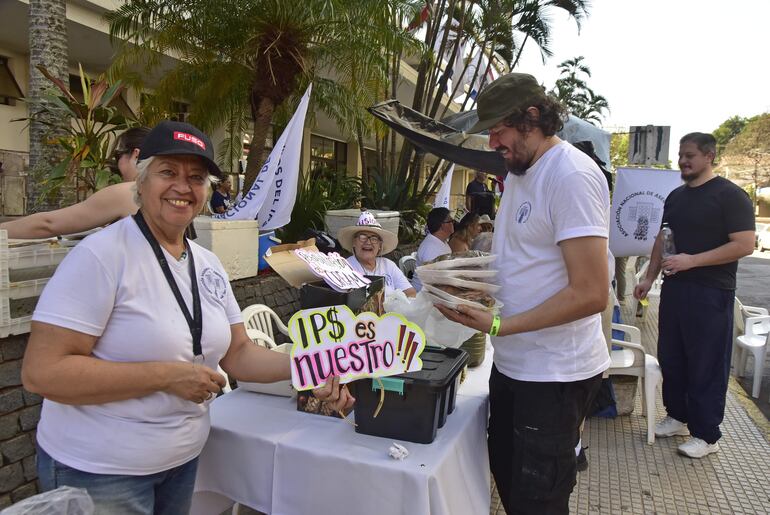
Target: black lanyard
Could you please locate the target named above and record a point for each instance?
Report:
(195, 322)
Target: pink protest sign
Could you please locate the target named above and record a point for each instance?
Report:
(332, 268)
(334, 341)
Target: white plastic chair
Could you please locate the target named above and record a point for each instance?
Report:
(741, 313)
(632, 360)
(755, 340)
(657, 284)
(261, 318)
(407, 264)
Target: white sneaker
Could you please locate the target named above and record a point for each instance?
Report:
(697, 448)
(671, 427)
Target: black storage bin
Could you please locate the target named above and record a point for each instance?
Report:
(319, 295)
(416, 403)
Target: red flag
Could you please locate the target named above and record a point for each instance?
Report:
(420, 18)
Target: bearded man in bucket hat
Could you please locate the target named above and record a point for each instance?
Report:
(551, 245)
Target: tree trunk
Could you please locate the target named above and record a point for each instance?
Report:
(262, 109)
(47, 48)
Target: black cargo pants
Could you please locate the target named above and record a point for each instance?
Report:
(534, 428)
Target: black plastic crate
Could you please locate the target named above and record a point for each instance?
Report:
(319, 295)
(417, 403)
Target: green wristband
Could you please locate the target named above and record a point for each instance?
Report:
(495, 326)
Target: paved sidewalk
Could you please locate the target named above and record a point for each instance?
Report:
(626, 475)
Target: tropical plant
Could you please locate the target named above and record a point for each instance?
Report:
(240, 62)
(488, 36)
(87, 139)
(317, 192)
(47, 48)
(572, 90)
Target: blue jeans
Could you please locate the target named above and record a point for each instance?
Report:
(167, 493)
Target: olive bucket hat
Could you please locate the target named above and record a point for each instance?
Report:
(505, 96)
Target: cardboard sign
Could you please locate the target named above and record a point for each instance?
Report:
(334, 269)
(334, 341)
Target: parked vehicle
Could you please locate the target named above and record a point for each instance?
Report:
(763, 237)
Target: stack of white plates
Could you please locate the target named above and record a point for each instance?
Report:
(467, 272)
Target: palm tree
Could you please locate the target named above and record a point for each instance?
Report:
(47, 48)
(573, 91)
(244, 61)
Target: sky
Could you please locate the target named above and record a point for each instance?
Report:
(690, 64)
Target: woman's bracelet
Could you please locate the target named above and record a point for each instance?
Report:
(495, 326)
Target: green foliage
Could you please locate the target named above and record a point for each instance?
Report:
(619, 150)
(241, 61)
(728, 129)
(386, 192)
(572, 90)
(318, 192)
(88, 138)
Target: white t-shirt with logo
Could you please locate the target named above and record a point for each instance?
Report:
(112, 287)
(430, 248)
(562, 196)
(394, 277)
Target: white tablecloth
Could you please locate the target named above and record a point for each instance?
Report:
(264, 454)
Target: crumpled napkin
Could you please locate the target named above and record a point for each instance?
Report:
(397, 451)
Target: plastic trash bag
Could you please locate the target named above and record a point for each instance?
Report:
(65, 500)
(438, 329)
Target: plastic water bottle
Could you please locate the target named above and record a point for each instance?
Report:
(667, 235)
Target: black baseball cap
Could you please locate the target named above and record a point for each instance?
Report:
(170, 138)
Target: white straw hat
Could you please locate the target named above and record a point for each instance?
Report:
(367, 223)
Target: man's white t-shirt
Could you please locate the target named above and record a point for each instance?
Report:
(112, 287)
(430, 248)
(562, 196)
(394, 277)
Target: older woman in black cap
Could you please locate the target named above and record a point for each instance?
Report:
(127, 337)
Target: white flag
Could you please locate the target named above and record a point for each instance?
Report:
(637, 209)
(442, 197)
(271, 198)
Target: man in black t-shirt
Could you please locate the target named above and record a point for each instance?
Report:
(478, 198)
(713, 224)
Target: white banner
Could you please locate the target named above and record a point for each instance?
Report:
(271, 198)
(637, 209)
(442, 197)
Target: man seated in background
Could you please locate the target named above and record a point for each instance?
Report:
(440, 228)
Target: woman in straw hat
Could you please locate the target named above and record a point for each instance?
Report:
(367, 241)
(483, 241)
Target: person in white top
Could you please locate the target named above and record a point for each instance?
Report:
(550, 243)
(368, 241)
(127, 337)
(440, 228)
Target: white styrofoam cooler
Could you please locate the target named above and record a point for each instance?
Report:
(336, 219)
(235, 242)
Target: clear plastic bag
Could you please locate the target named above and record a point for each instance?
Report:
(65, 500)
(438, 329)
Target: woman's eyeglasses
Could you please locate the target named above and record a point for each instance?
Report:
(368, 238)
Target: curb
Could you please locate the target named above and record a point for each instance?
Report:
(753, 412)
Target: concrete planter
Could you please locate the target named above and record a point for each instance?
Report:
(235, 242)
(336, 219)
